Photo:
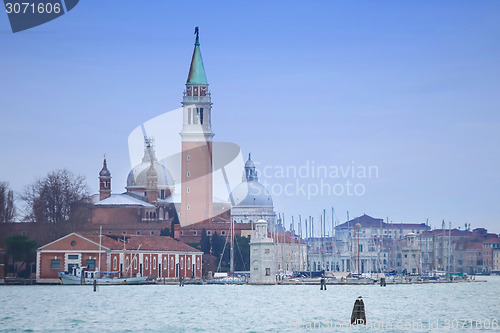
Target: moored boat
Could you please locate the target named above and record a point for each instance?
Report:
(80, 276)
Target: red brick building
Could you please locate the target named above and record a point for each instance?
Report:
(128, 255)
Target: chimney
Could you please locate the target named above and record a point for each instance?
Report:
(177, 231)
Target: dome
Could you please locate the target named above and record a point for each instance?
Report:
(249, 164)
(137, 177)
(251, 194)
(104, 172)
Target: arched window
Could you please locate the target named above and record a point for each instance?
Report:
(127, 262)
(154, 262)
(182, 263)
(188, 262)
(115, 263)
(198, 263)
(165, 263)
(146, 262)
(171, 262)
(135, 262)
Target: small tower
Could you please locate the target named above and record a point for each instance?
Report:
(104, 181)
(196, 134)
(262, 265)
(151, 184)
(250, 172)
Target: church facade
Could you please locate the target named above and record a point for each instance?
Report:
(151, 203)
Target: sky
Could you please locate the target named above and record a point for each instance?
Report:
(406, 89)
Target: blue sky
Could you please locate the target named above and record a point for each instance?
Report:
(410, 87)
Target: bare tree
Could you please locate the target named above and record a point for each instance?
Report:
(53, 198)
(7, 207)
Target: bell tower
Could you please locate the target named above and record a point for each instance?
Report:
(196, 134)
(104, 181)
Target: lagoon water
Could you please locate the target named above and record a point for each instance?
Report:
(452, 307)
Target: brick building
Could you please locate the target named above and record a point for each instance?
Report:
(128, 255)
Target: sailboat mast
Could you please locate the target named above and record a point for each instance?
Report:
(100, 241)
(232, 249)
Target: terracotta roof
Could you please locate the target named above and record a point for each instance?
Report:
(153, 243)
(367, 221)
(475, 246)
(163, 243)
(286, 237)
(217, 226)
(454, 232)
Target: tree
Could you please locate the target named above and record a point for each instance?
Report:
(217, 245)
(165, 232)
(53, 199)
(205, 242)
(242, 254)
(7, 208)
(21, 248)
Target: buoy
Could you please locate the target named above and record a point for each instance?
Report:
(358, 316)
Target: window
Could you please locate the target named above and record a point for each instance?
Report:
(171, 262)
(124, 232)
(73, 256)
(188, 174)
(146, 262)
(201, 116)
(182, 232)
(73, 243)
(56, 264)
(223, 232)
(90, 263)
(188, 190)
(154, 262)
(115, 263)
(195, 233)
(268, 271)
(182, 263)
(198, 263)
(127, 263)
(138, 232)
(188, 157)
(188, 207)
(189, 262)
(152, 233)
(189, 115)
(165, 263)
(135, 262)
(209, 232)
(162, 194)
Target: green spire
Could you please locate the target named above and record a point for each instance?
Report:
(197, 70)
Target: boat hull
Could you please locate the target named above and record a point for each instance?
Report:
(75, 280)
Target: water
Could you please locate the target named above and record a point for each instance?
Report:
(216, 308)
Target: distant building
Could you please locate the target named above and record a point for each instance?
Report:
(262, 255)
(411, 263)
(290, 253)
(250, 200)
(128, 255)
